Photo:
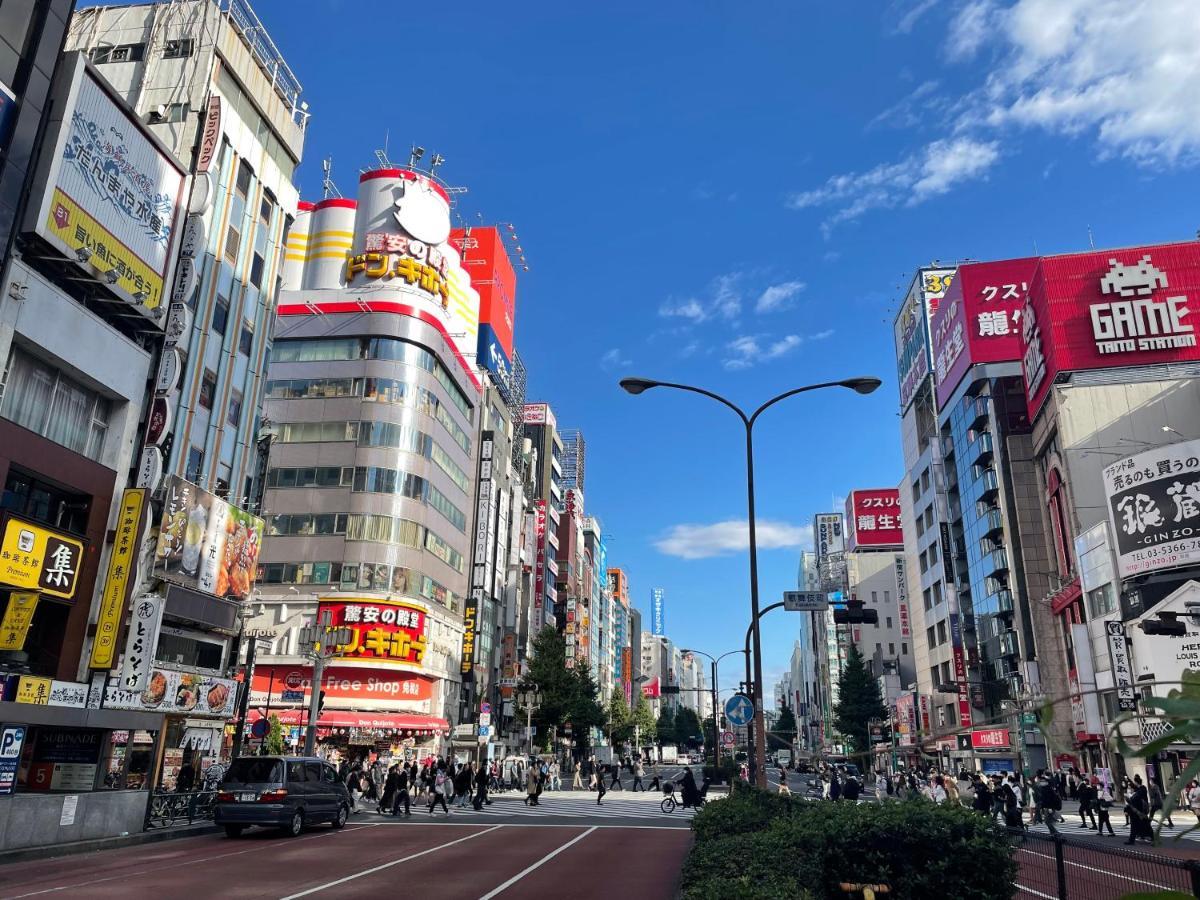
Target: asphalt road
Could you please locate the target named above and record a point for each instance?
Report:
(447, 859)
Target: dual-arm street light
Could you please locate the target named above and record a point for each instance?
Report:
(320, 643)
(716, 712)
(863, 385)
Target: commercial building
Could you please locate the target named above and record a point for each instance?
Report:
(541, 430)
(377, 427)
(209, 82)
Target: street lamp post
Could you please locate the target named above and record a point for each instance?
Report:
(320, 643)
(863, 385)
(530, 698)
(715, 710)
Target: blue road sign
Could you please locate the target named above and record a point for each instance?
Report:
(739, 710)
(293, 696)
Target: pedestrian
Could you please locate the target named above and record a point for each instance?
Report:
(354, 786)
(1051, 802)
(481, 790)
(981, 801)
(442, 785)
(1104, 802)
(577, 781)
(688, 791)
(638, 772)
(952, 795)
(1087, 796)
(784, 790)
(656, 783)
(1011, 792)
(881, 784)
(402, 793)
(1138, 806)
(1193, 798)
(555, 776)
(616, 779)
(388, 795)
(937, 790)
(598, 775)
(835, 787)
(531, 786)
(1156, 803)
(852, 790)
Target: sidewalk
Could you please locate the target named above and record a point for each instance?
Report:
(153, 836)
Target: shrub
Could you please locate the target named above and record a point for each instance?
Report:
(764, 846)
(722, 774)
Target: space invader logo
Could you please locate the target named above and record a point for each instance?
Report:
(1137, 321)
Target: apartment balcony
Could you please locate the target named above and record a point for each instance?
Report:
(996, 562)
(989, 482)
(982, 448)
(979, 411)
(1008, 645)
(993, 522)
(1001, 601)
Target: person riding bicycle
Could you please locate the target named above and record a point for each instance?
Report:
(690, 794)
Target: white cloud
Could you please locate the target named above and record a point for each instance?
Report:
(1126, 70)
(937, 168)
(732, 536)
(750, 349)
(724, 301)
(969, 29)
(778, 296)
(906, 13)
(615, 359)
(907, 112)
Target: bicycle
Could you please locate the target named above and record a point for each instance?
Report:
(670, 804)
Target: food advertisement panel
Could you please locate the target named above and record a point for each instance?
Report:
(206, 544)
(172, 691)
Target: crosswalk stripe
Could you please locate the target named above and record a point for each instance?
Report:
(580, 805)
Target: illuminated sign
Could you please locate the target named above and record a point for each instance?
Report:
(390, 632)
(121, 567)
(40, 559)
(388, 255)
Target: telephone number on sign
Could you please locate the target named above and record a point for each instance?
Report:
(1166, 555)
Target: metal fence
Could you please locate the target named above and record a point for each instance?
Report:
(1056, 867)
(169, 808)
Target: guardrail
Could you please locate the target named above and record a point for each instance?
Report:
(168, 808)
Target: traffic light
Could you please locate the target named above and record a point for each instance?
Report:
(854, 613)
(1166, 623)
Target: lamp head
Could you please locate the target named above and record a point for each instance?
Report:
(636, 386)
(862, 385)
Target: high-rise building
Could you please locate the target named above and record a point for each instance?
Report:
(208, 80)
(541, 431)
(573, 459)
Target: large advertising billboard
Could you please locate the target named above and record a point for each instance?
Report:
(1111, 308)
(113, 197)
(911, 329)
(485, 260)
(827, 534)
(873, 518)
(1154, 508)
(205, 543)
(979, 320)
(383, 632)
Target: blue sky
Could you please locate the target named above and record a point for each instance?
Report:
(735, 195)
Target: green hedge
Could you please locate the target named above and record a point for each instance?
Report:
(759, 845)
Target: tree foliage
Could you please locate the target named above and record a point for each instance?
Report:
(784, 733)
(275, 736)
(644, 721)
(665, 727)
(568, 695)
(619, 726)
(687, 727)
(859, 702)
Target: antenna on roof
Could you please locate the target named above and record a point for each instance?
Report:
(327, 185)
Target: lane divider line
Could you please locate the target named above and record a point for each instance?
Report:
(388, 865)
(541, 862)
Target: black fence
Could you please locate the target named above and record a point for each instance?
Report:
(1060, 868)
(169, 808)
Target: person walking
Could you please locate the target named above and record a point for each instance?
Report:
(937, 790)
(577, 781)
(1156, 803)
(354, 786)
(531, 786)
(482, 782)
(1011, 795)
(852, 790)
(388, 794)
(1193, 798)
(402, 795)
(835, 787)
(638, 771)
(555, 776)
(784, 790)
(1087, 796)
(616, 778)
(1137, 805)
(981, 799)
(442, 785)
(1104, 802)
(598, 776)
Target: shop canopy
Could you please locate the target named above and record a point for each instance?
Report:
(340, 718)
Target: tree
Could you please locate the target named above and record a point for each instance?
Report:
(858, 703)
(275, 736)
(784, 734)
(620, 722)
(643, 720)
(687, 727)
(665, 727)
(568, 695)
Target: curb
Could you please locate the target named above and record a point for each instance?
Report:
(94, 846)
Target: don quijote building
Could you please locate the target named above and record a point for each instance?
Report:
(373, 405)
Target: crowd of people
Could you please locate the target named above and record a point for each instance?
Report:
(1019, 801)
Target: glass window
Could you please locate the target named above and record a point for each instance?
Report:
(177, 646)
(266, 207)
(904, 649)
(246, 339)
(39, 397)
(256, 270)
(119, 54)
(178, 48)
(220, 318)
(1101, 601)
(244, 176)
(233, 242)
(208, 388)
(195, 462)
(235, 409)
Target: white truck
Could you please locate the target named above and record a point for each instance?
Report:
(669, 755)
(783, 758)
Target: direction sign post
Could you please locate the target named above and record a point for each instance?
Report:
(739, 710)
(805, 601)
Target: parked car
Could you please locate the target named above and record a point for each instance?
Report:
(282, 791)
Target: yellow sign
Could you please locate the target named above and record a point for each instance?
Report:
(31, 689)
(15, 627)
(121, 568)
(68, 222)
(379, 265)
(39, 559)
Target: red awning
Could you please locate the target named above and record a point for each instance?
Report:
(342, 718)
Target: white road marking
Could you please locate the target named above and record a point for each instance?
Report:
(1029, 890)
(545, 859)
(388, 865)
(1104, 872)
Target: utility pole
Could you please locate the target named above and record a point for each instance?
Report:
(320, 643)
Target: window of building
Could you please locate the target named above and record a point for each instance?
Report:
(889, 621)
(904, 649)
(24, 495)
(170, 112)
(891, 649)
(195, 462)
(926, 597)
(1101, 601)
(310, 476)
(925, 481)
(233, 241)
(208, 388)
(930, 637)
(887, 596)
(191, 649)
(878, 647)
(246, 339)
(946, 673)
(933, 553)
(178, 48)
(220, 317)
(935, 676)
(119, 54)
(1056, 503)
(256, 270)
(941, 631)
(874, 596)
(937, 593)
(916, 491)
(266, 207)
(235, 409)
(39, 397)
(244, 176)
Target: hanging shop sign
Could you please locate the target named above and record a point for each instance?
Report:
(157, 422)
(194, 234)
(150, 468)
(1122, 670)
(145, 622)
(168, 371)
(17, 618)
(210, 138)
(179, 320)
(40, 559)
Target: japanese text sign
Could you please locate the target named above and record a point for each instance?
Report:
(390, 632)
(40, 559)
(145, 623)
(18, 615)
(122, 565)
(873, 518)
(1131, 307)
(1122, 671)
(344, 686)
(990, 739)
(911, 329)
(979, 320)
(35, 690)
(1154, 508)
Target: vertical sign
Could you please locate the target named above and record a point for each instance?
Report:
(17, 617)
(539, 577)
(1118, 653)
(960, 673)
(122, 565)
(480, 570)
(12, 740)
(902, 596)
(211, 137)
(144, 626)
(659, 625)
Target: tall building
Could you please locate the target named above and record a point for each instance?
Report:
(213, 87)
(541, 430)
(377, 423)
(573, 459)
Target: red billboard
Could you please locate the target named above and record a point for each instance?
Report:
(990, 739)
(343, 685)
(1107, 309)
(388, 632)
(485, 260)
(873, 518)
(979, 320)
